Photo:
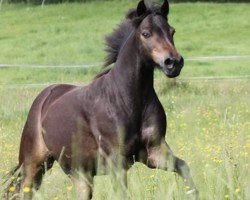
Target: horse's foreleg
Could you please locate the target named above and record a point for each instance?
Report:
(119, 180)
(83, 185)
(162, 157)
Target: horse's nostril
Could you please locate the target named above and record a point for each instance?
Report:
(169, 61)
(181, 60)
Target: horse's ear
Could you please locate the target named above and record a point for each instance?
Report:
(141, 8)
(165, 8)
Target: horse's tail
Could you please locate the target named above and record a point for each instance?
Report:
(11, 181)
(10, 174)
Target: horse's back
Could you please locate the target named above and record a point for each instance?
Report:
(54, 93)
(48, 95)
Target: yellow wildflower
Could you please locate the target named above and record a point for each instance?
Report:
(69, 188)
(26, 189)
(12, 188)
(237, 190)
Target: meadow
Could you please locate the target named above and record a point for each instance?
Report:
(208, 119)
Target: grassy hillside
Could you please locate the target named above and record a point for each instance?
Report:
(69, 34)
(208, 121)
(74, 33)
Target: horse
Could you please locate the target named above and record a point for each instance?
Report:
(118, 116)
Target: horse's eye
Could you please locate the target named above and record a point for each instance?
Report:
(146, 34)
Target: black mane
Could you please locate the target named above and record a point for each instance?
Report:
(116, 40)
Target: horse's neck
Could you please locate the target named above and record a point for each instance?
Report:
(132, 77)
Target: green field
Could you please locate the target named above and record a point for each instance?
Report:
(208, 120)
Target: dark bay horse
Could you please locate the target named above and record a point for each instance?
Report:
(117, 115)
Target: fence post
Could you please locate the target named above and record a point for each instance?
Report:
(43, 2)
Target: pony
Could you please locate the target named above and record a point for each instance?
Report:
(117, 118)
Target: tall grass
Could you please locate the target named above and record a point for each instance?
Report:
(207, 126)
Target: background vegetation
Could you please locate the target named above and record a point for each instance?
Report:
(208, 120)
(37, 2)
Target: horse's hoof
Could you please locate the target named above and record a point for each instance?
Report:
(193, 194)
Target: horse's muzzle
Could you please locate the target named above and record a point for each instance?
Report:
(172, 67)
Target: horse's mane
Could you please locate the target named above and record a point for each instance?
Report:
(116, 40)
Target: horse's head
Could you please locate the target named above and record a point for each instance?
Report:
(156, 38)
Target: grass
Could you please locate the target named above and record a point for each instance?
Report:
(74, 34)
(207, 126)
(208, 121)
